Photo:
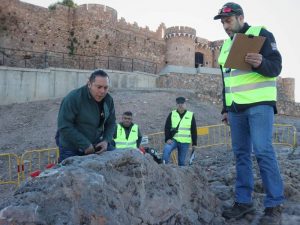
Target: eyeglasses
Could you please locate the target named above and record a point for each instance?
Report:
(227, 10)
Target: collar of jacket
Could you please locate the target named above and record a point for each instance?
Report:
(126, 128)
(181, 113)
(244, 28)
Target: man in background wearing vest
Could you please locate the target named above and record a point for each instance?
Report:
(249, 105)
(127, 134)
(180, 132)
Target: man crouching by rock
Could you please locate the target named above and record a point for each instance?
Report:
(86, 118)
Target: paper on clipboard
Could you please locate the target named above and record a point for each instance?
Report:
(241, 45)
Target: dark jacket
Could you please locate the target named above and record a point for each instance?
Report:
(127, 132)
(270, 67)
(79, 122)
(168, 127)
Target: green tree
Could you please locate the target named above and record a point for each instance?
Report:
(68, 3)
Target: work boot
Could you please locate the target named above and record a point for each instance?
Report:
(272, 216)
(238, 210)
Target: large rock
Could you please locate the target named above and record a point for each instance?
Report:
(119, 187)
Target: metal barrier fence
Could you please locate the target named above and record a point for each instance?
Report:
(218, 135)
(285, 134)
(208, 136)
(41, 60)
(214, 135)
(37, 160)
(10, 173)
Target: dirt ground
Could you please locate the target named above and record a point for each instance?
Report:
(32, 125)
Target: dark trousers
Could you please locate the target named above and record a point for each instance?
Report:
(68, 152)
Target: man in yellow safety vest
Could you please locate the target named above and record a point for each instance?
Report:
(127, 134)
(180, 132)
(249, 100)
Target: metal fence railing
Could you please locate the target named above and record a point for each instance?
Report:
(10, 172)
(34, 160)
(285, 134)
(214, 135)
(208, 136)
(219, 135)
(41, 60)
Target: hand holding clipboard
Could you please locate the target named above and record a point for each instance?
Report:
(241, 45)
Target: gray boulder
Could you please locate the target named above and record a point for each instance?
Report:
(118, 187)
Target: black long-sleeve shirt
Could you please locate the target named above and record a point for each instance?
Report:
(271, 66)
(168, 127)
(127, 132)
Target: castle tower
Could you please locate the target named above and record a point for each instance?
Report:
(286, 89)
(180, 46)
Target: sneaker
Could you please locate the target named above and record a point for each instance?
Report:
(238, 210)
(272, 216)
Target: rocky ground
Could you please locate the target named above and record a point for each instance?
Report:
(32, 126)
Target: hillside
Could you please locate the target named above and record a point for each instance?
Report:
(33, 125)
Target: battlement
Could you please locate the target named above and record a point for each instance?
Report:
(136, 29)
(26, 6)
(180, 31)
(202, 42)
(205, 43)
(97, 9)
(216, 45)
(96, 14)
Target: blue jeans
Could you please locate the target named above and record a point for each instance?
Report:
(252, 129)
(68, 152)
(182, 149)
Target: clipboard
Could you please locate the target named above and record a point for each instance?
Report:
(241, 45)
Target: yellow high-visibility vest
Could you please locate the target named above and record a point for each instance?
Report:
(122, 142)
(246, 87)
(184, 130)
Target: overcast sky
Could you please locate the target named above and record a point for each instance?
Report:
(278, 16)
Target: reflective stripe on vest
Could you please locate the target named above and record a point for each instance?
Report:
(122, 142)
(246, 87)
(184, 130)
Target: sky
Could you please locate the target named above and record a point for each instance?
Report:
(278, 16)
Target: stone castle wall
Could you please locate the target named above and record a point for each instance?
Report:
(28, 27)
(89, 29)
(93, 29)
(286, 89)
(210, 51)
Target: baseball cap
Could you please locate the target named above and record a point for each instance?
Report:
(229, 9)
(180, 100)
